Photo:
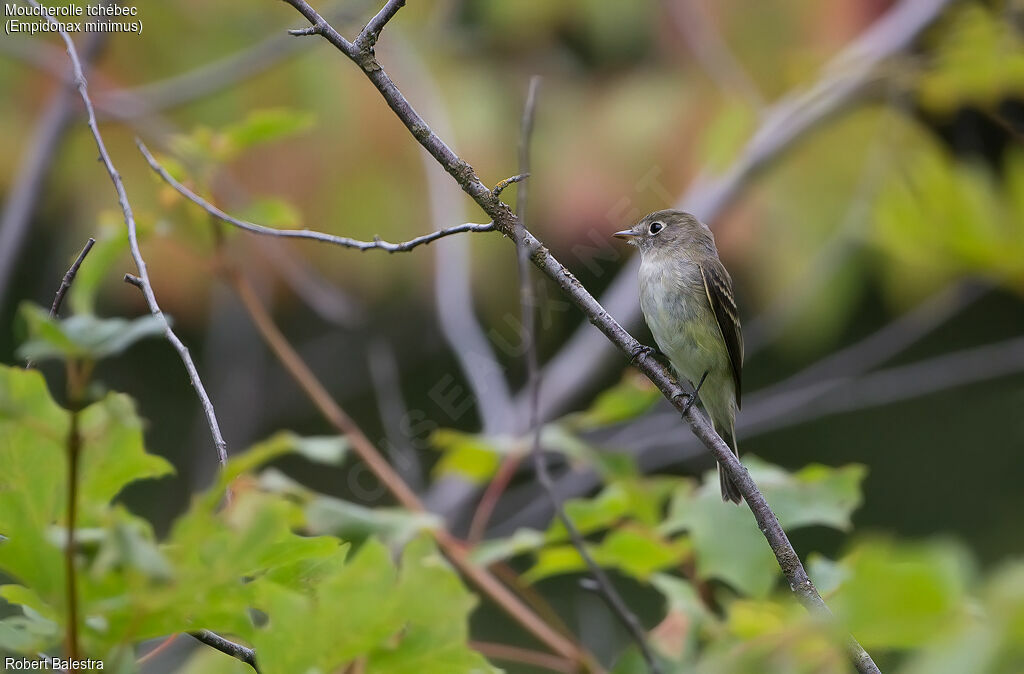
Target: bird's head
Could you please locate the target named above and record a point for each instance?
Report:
(669, 230)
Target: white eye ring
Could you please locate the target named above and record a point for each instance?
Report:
(656, 227)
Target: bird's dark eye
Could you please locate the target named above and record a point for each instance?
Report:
(656, 227)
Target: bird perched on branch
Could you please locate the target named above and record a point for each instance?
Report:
(687, 300)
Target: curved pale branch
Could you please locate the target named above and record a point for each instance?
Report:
(133, 243)
(453, 283)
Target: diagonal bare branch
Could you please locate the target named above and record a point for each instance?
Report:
(506, 222)
(133, 243)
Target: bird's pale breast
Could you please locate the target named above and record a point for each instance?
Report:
(678, 312)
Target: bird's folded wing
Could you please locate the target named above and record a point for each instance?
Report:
(718, 287)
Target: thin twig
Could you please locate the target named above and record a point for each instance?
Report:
(500, 187)
(313, 235)
(69, 278)
(65, 284)
(368, 36)
(161, 647)
(506, 222)
(237, 651)
(523, 656)
(133, 243)
(318, 26)
(492, 494)
(527, 303)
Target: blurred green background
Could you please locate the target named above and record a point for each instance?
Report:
(910, 196)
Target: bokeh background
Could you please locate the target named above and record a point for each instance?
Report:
(895, 226)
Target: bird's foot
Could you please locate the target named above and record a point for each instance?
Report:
(692, 398)
(643, 350)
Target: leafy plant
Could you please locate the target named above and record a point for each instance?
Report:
(245, 566)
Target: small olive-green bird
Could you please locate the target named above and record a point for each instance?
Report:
(687, 300)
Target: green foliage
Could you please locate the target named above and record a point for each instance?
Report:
(968, 221)
(476, 457)
(902, 596)
(468, 455)
(206, 146)
(264, 126)
(261, 550)
(726, 134)
(273, 213)
(33, 504)
(359, 608)
(725, 610)
(347, 520)
(680, 539)
(83, 336)
(640, 540)
(630, 398)
(979, 59)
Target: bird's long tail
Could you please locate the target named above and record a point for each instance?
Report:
(729, 490)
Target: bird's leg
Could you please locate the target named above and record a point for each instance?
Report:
(696, 390)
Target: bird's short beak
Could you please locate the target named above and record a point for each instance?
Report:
(626, 234)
